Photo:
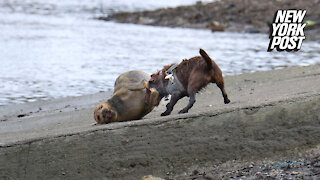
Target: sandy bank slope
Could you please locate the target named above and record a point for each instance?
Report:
(271, 112)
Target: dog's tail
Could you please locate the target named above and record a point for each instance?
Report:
(206, 58)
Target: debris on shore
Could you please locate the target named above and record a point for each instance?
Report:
(250, 16)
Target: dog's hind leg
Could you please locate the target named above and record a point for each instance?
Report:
(192, 100)
(174, 99)
(223, 91)
(196, 83)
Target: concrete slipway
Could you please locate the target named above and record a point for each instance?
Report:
(271, 113)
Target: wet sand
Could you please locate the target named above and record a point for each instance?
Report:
(272, 113)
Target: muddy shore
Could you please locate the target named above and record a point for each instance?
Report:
(273, 117)
(251, 16)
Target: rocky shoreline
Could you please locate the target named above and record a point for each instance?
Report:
(304, 165)
(250, 16)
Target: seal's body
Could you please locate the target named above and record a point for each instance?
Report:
(131, 100)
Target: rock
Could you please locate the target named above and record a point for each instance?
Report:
(253, 31)
(310, 23)
(150, 177)
(22, 115)
(195, 172)
(317, 164)
(216, 26)
(145, 20)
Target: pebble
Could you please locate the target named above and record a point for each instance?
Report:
(317, 164)
(150, 177)
(294, 173)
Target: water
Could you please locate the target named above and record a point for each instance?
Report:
(52, 49)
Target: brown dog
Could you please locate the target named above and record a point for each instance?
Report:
(190, 76)
(132, 99)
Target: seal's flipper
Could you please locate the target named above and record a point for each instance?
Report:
(94, 124)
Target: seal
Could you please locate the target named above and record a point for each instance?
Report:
(131, 100)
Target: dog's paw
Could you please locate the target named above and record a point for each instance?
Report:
(166, 113)
(183, 111)
(226, 101)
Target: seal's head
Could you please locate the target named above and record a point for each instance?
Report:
(104, 114)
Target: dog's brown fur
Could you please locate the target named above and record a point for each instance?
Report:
(194, 74)
(132, 99)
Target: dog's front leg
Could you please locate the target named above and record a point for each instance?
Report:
(192, 100)
(174, 99)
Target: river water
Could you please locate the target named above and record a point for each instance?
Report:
(55, 48)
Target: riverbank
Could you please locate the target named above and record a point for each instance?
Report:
(251, 16)
(271, 114)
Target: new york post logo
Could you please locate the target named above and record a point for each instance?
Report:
(286, 32)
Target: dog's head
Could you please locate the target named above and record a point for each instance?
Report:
(158, 81)
(104, 114)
